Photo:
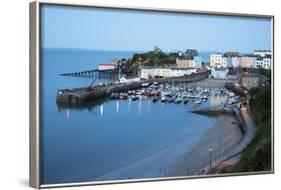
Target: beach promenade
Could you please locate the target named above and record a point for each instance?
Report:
(249, 133)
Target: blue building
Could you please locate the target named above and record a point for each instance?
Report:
(198, 61)
(229, 62)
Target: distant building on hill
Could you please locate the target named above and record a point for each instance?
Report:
(236, 62)
(189, 59)
(259, 59)
(231, 54)
(185, 62)
(218, 61)
(107, 66)
(262, 53)
(247, 61)
(157, 49)
(198, 62)
(266, 64)
(191, 53)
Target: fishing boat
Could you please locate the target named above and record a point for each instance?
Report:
(163, 99)
(123, 96)
(145, 84)
(170, 99)
(198, 101)
(134, 98)
(178, 100)
(114, 96)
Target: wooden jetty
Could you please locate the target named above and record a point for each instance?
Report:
(95, 73)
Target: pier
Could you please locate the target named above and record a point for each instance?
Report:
(78, 96)
(95, 73)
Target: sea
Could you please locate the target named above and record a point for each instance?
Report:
(81, 144)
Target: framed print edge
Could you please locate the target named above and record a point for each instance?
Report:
(34, 130)
(34, 96)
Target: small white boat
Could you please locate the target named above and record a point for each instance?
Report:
(163, 99)
(197, 101)
(145, 84)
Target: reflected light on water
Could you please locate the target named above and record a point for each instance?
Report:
(117, 106)
(217, 100)
(129, 105)
(101, 110)
(139, 107)
(67, 113)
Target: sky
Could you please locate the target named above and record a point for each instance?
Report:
(131, 30)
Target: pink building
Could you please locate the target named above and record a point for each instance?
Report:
(247, 61)
(236, 61)
(107, 66)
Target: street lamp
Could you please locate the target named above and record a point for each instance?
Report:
(210, 151)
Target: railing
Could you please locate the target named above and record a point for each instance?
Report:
(220, 156)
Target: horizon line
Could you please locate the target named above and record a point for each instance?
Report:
(86, 49)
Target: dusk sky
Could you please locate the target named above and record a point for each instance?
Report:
(106, 29)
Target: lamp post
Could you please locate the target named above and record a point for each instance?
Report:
(210, 152)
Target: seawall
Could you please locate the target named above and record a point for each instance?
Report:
(82, 95)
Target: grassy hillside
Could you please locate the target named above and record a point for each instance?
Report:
(154, 58)
(257, 156)
(151, 58)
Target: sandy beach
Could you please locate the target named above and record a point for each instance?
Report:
(223, 134)
(183, 158)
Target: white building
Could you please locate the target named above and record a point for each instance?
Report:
(107, 66)
(217, 60)
(236, 61)
(224, 62)
(152, 72)
(177, 72)
(165, 72)
(263, 62)
(219, 73)
(259, 63)
(129, 80)
(147, 73)
(262, 53)
(266, 64)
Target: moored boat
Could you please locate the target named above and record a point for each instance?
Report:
(134, 98)
(163, 99)
(145, 84)
(123, 96)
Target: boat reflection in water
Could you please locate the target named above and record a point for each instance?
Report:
(214, 101)
(217, 100)
(117, 106)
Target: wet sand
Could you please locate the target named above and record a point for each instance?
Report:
(183, 158)
(224, 133)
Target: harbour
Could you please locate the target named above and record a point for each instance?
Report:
(80, 95)
(160, 95)
(175, 114)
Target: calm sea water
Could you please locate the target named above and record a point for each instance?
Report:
(82, 144)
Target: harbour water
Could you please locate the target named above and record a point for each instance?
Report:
(83, 144)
